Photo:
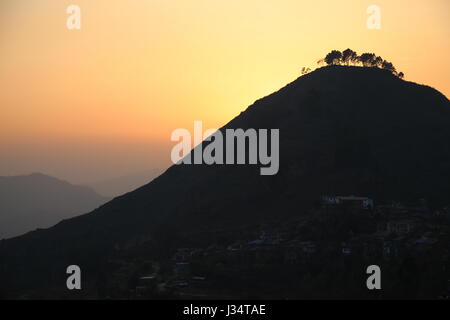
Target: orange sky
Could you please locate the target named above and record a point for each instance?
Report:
(102, 101)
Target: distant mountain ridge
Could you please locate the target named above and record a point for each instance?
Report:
(343, 130)
(35, 201)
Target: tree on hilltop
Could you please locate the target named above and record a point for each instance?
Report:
(367, 59)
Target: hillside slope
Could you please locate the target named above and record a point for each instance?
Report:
(346, 130)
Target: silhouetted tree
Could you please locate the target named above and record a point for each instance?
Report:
(334, 57)
(305, 70)
(378, 62)
(367, 59)
(386, 65)
(349, 56)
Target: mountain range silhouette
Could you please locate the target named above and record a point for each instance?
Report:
(37, 200)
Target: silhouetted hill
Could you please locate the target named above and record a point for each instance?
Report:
(345, 130)
(119, 185)
(40, 201)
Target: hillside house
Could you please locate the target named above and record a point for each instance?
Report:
(354, 202)
(401, 227)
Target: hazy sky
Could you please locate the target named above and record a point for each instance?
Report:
(102, 101)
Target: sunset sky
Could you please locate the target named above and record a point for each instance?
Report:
(102, 101)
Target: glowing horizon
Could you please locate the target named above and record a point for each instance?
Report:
(103, 100)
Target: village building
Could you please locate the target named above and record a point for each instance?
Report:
(354, 202)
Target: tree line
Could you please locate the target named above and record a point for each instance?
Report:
(350, 57)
